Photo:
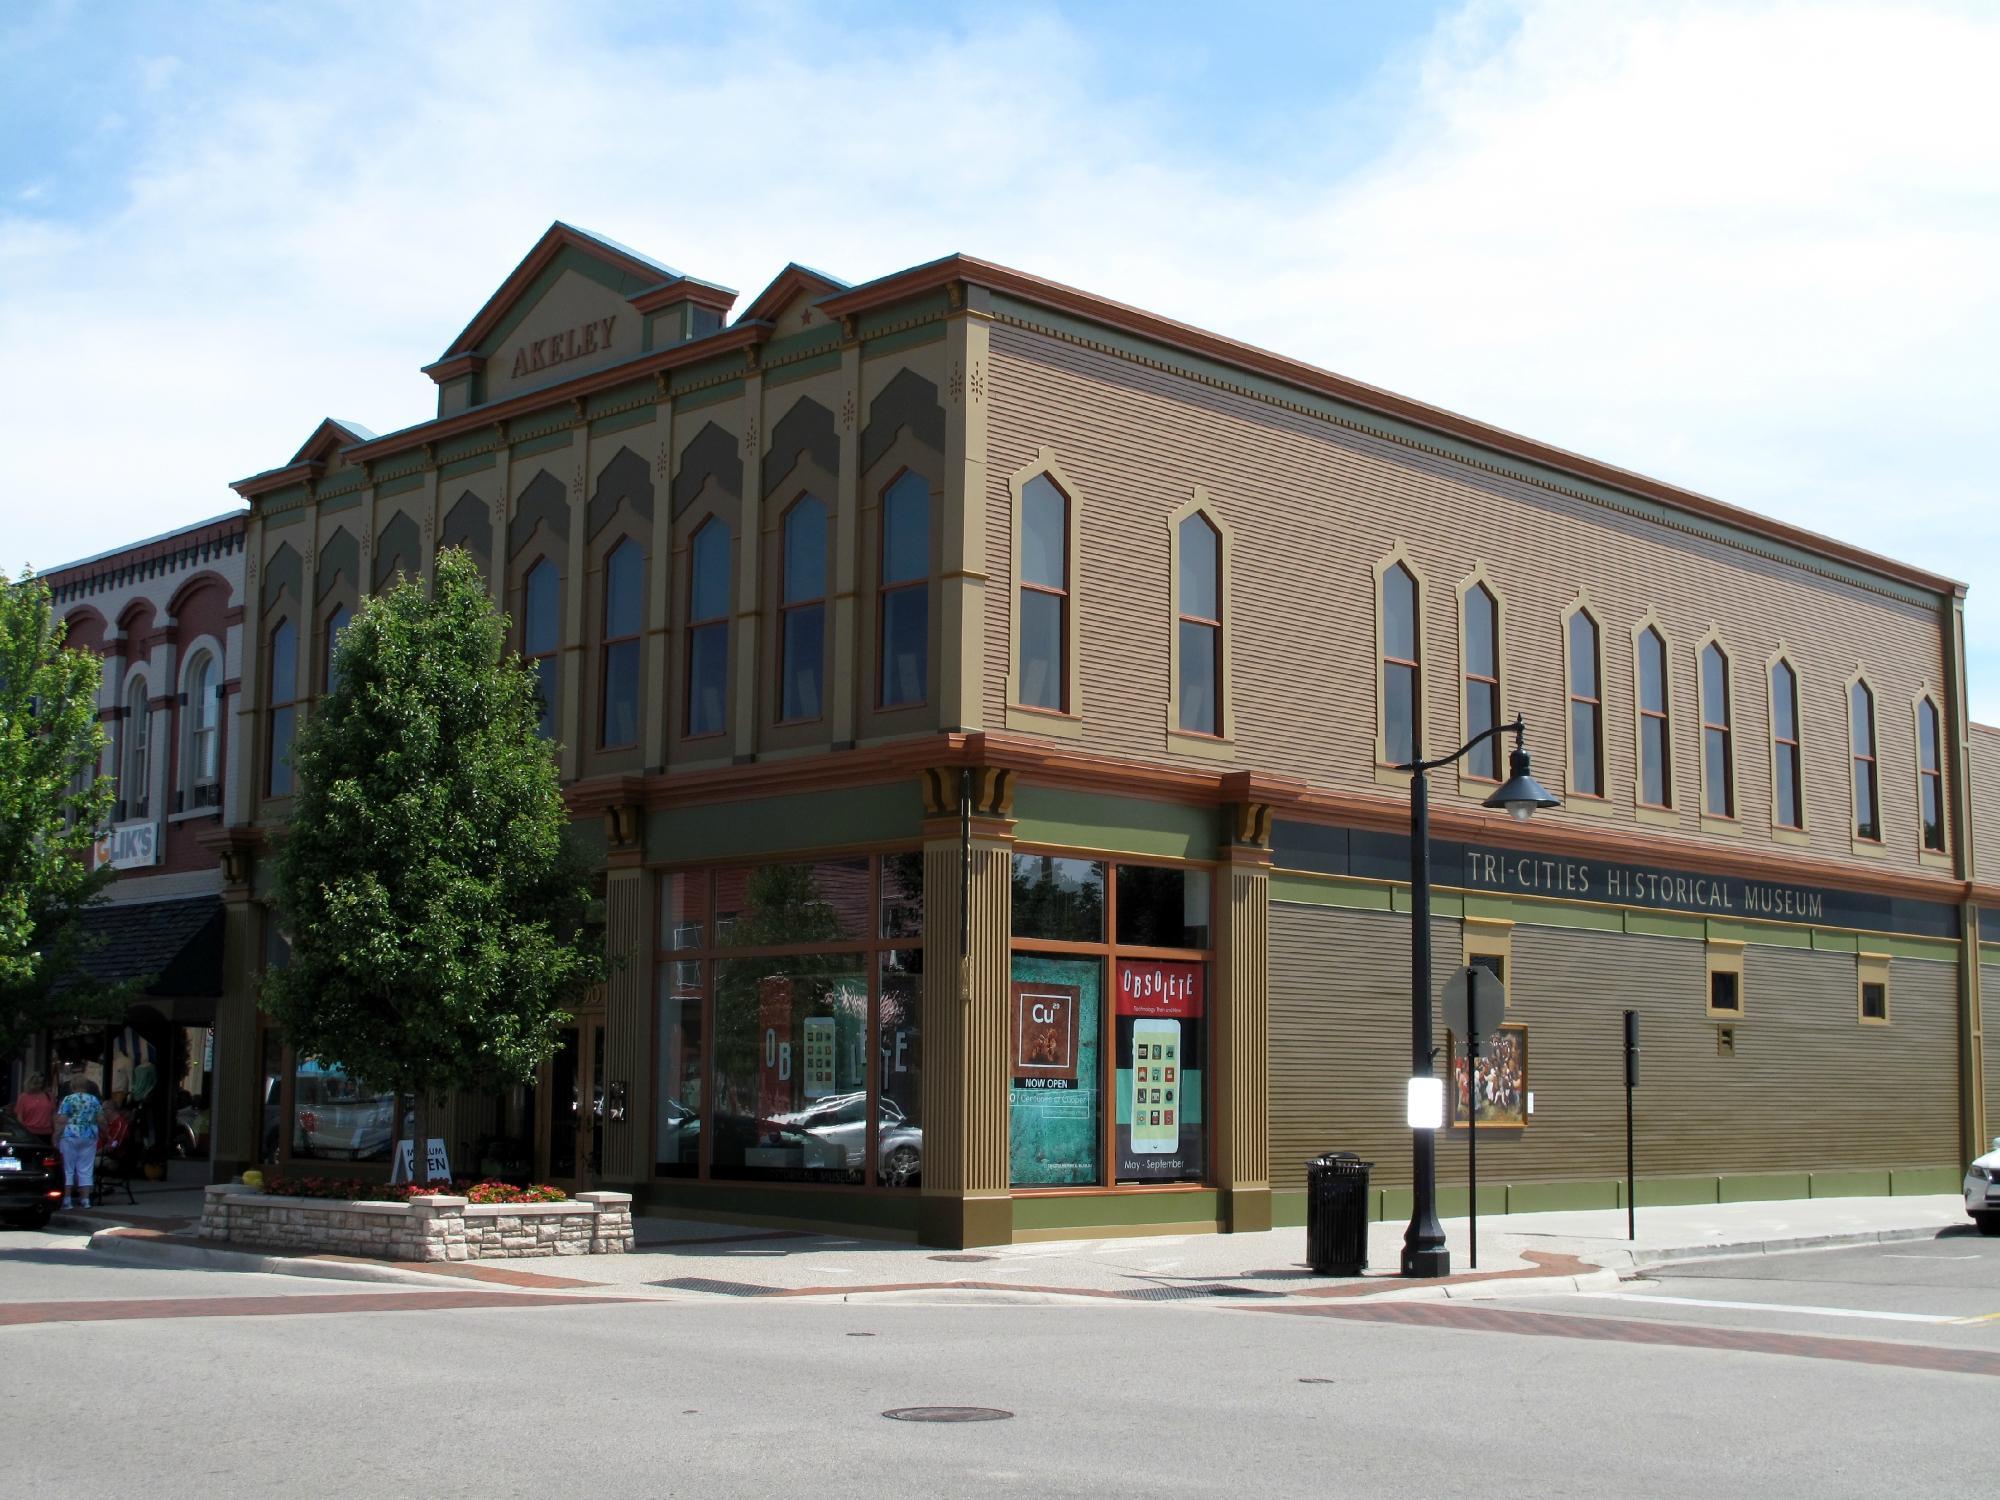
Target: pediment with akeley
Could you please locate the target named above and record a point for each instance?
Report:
(576, 303)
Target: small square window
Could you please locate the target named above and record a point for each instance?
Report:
(1725, 990)
(1874, 1001)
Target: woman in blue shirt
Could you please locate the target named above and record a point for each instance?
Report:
(77, 1120)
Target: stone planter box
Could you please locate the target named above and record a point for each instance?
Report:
(439, 1227)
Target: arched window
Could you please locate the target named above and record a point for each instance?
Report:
(1788, 808)
(135, 785)
(624, 616)
(204, 718)
(1930, 775)
(708, 629)
(1656, 772)
(904, 600)
(335, 624)
(1867, 803)
(802, 612)
(1045, 595)
(1718, 748)
(1199, 623)
(1586, 707)
(1402, 715)
(282, 693)
(541, 635)
(1482, 679)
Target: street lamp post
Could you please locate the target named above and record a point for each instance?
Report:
(1424, 1251)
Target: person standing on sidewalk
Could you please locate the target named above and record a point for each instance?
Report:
(78, 1117)
(36, 1108)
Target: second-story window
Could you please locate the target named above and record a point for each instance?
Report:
(1586, 707)
(1718, 757)
(802, 612)
(1656, 773)
(1788, 809)
(204, 714)
(708, 629)
(335, 623)
(1199, 623)
(1045, 600)
(1482, 679)
(1930, 775)
(1867, 803)
(541, 635)
(282, 696)
(904, 597)
(624, 612)
(134, 788)
(1402, 726)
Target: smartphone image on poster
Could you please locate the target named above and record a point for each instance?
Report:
(1156, 1068)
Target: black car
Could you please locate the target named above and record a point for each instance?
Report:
(30, 1176)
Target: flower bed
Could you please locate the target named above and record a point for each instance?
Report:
(416, 1225)
(353, 1190)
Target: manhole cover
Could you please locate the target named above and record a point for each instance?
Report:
(947, 1414)
(963, 1260)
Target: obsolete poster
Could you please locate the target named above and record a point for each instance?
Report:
(1160, 1033)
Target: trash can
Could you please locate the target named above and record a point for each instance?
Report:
(1337, 1214)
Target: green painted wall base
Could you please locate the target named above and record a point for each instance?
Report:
(1246, 1210)
(893, 1216)
(1080, 1215)
(961, 1223)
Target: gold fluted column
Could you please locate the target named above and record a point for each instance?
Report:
(1242, 1022)
(236, 1092)
(965, 1196)
(628, 988)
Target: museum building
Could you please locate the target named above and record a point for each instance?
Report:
(985, 701)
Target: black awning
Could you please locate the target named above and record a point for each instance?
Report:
(173, 948)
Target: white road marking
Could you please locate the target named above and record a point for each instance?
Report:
(1892, 1255)
(1782, 1307)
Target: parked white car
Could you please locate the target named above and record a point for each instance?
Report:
(1982, 1190)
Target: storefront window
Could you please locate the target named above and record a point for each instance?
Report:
(338, 1118)
(1162, 908)
(1053, 1042)
(804, 983)
(1057, 899)
(1161, 1028)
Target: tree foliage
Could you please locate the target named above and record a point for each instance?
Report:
(427, 883)
(53, 803)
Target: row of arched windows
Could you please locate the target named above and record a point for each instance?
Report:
(1402, 698)
(198, 728)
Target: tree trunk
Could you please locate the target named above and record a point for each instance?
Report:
(420, 1146)
(395, 1132)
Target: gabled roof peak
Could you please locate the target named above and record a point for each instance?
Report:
(794, 281)
(332, 434)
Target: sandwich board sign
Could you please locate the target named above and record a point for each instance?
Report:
(440, 1161)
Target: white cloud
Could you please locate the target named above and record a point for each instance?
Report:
(1748, 250)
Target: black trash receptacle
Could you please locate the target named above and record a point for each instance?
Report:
(1337, 1214)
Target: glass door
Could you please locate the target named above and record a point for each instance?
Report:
(572, 1123)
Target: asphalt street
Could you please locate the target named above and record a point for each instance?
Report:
(227, 1384)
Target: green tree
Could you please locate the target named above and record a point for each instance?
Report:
(52, 805)
(433, 899)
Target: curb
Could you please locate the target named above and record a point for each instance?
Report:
(112, 1244)
(1646, 1259)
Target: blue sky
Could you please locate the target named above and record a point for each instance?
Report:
(1747, 248)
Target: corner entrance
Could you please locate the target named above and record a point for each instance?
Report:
(569, 1146)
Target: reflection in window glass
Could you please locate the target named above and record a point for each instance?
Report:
(1718, 759)
(905, 591)
(708, 628)
(1200, 626)
(624, 596)
(1655, 773)
(337, 1118)
(272, 1097)
(899, 1147)
(903, 896)
(1861, 712)
(791, 1068)
(541, 636)
(1054, 1094)
(284, 681)
(771, 905)
(802, 611)
(1160, 907)
(1586, 708)
(1044, 595)
(677, 1150)
(336, 624)
(1930, 776)
(1058, 899)
(1401, 726)
(1482, 679)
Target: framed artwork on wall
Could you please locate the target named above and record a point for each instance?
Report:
(1501, 1077)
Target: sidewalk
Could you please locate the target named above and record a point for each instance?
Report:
(1518, 1253)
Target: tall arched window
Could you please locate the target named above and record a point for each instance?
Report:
(1586, 707)
(1402, 726)
(135, 785)
(282, 695)
(708, 629)
(204, 719)
(1199, 622)
(802, 612)
(1930, 775)
(1788, 809)
(336, 622)
(1482, 679)
(1045, 596)
(1656, 772)
(1718, 749)
(624, 615)
(903, 609)
(541, 635)
(1867, 800)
